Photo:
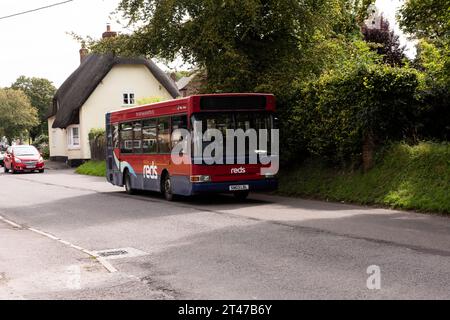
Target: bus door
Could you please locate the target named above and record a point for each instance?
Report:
(150, 151)
(112, 163)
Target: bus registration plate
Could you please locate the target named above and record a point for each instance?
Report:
(240, 188)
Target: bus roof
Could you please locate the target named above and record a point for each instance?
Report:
(178, 101)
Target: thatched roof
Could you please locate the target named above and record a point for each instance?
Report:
(74, 92)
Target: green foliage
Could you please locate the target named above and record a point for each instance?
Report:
(334, 112)
(426, 18)
(17, 115)
(95, 133)
(429, 20)
(45, 151)
(40, 93)
(41, 143)
(432, 61)
(42, 139)
(182, 74)
(149, 100)
(92, 168)
(245, 46)
(406, 177)
(435, 90)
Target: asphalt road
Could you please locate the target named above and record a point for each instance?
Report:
(210, 248)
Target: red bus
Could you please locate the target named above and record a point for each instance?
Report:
(140, 142)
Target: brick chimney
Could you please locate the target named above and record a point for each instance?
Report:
(109, 33)
(83, 52)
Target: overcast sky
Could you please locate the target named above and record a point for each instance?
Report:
(37, 44)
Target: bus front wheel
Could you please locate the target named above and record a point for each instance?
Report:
(127, 182)
(167, 188)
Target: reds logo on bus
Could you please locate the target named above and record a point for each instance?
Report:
(240, 170)
(151, 172)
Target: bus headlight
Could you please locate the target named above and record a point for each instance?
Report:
(269, 176)
(200, 179)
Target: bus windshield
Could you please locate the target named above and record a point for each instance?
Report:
(234, 120)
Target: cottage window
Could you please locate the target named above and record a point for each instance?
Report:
(128, 99)
(73, 134)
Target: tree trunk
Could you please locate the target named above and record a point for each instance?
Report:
(368, 151)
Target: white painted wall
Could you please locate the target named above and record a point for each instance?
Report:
(108, 96)
(57, 140)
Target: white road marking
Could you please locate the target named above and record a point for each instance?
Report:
(44, 234)
(15, 225)
(108, 266)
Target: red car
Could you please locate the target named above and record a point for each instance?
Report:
(23, 159)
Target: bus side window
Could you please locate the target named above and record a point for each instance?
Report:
(137, 137)
(149, 142)
(163, 135)
(178, 122)
(126, 138)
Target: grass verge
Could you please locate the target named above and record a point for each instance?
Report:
(405, 177)
(93, 168)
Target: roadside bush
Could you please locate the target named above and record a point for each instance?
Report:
(407, 177)
(97, 143)
(96, 133)
(45, 151)
(42, 139)
(341, 112)
(41, 143)
(92, 168)
(434, 62)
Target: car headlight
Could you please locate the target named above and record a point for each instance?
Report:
(16, 160)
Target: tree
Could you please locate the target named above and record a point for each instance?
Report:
(429, 20)
(435, 92)
(251, 45)
(388, 43)
(426, 18)
(17, 115)
(346, 113)
(40, 93)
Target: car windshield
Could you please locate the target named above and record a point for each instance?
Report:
(25, 151)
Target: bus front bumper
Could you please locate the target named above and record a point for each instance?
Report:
(227, 187)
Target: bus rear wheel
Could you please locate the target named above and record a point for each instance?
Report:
(127, 182)
(167, 188)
